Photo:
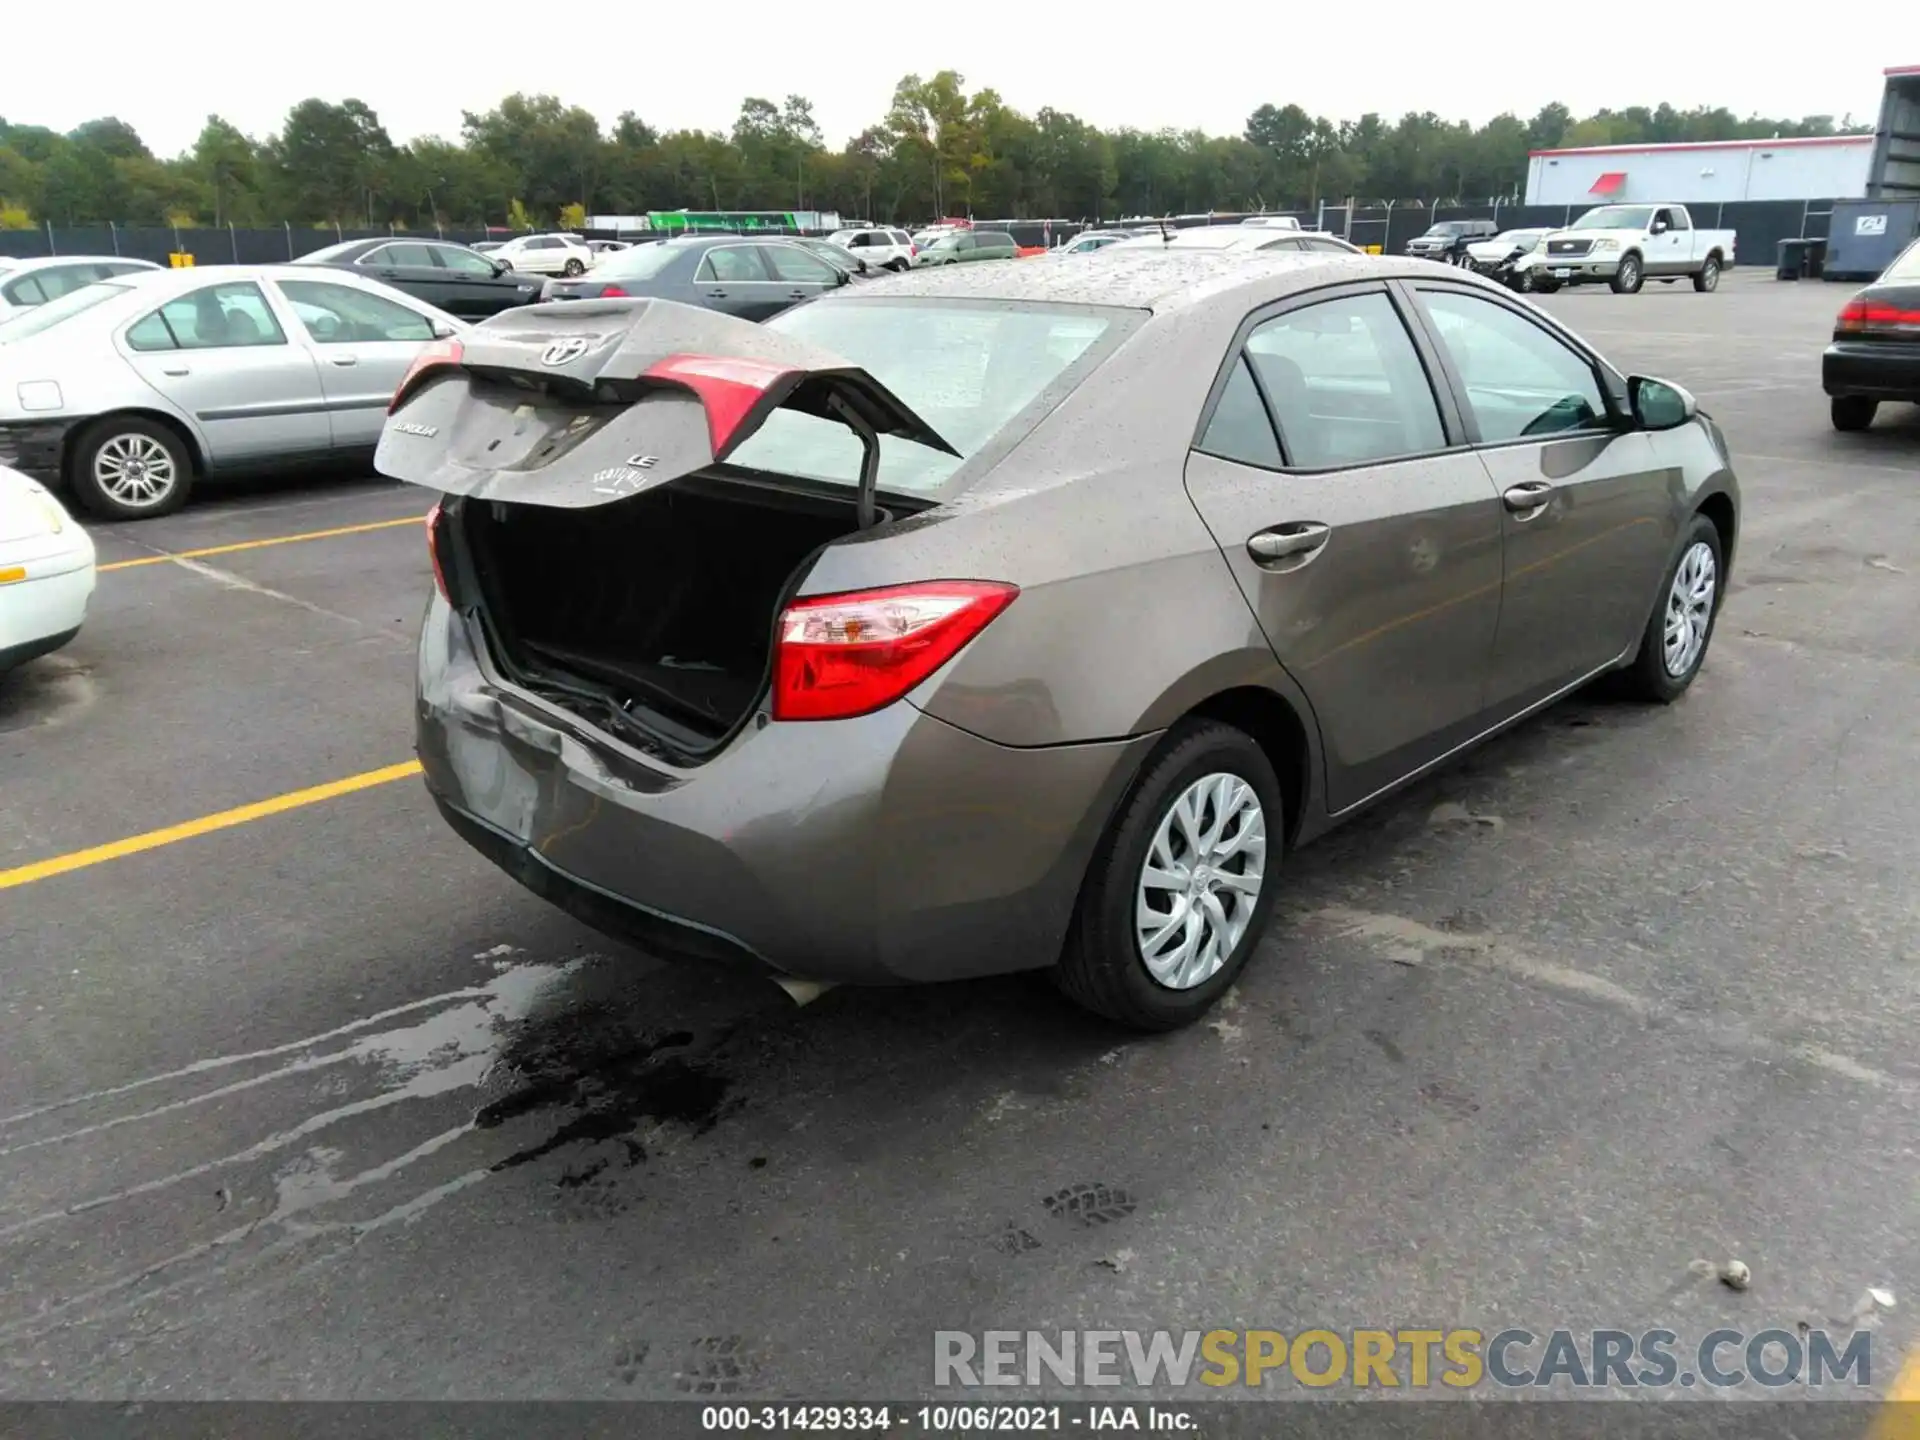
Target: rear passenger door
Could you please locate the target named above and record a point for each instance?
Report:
(364, 343)
(735, 279)
(1332, 471)
(1587, 511)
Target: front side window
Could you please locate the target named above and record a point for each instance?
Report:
(795, 266)
(342, 315)
(215, 317)
(1521, 381)
(1346, 384)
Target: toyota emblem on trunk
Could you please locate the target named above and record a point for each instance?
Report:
(563, 352)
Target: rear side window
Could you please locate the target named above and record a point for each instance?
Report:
(975, 373)
(1346, 384)
(27, 291)
(1241, 429)
(738, 264)
(215, 317)
(641, 262)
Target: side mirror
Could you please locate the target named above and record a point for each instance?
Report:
(443, 331)
(1659, 227)
(842, 277)
(1658, 405)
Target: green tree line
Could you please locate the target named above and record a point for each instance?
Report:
(939, 149)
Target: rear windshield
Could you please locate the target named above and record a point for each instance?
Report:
(1906, 265)
(330, 253)
(642, 262)
(45, 317)
(976, 372)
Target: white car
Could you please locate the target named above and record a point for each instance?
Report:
(882, 247)
(25, 283)
(546, 255)
(46, 571)
(128, 390)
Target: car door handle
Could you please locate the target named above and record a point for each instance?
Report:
(1527, 498)
(1285, 540)
(799, 294)
(344, 360)
(716, 294)
(175, 370)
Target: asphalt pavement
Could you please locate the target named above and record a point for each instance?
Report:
(315, 1103)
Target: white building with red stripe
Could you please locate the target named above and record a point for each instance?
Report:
(1722, 171)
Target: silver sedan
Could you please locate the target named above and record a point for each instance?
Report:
(128, 390)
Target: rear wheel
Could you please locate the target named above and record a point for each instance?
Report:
(1674, 645)
(1707, 277)
(130, 468)
(572, 269)
(1628, 279)
(1181, 886)
(899, 267)
(1853, 412)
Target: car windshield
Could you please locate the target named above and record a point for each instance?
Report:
(39, 318)
(971, 370)
(329, 253)
(943, 242)
(642, 262)
(1515, 237)
(1906, 265)
(1615, 217)
(843, 237)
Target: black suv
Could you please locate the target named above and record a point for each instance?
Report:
(1447, 240)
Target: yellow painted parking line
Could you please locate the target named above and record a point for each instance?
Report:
(262, 544)
(205, 825)
(1899, 1416)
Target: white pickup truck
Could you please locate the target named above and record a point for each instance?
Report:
(1628, 245)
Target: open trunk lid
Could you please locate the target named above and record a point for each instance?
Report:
(584, 403)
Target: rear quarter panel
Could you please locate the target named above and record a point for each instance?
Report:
(1128, 616)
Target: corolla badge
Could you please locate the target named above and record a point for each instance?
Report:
(563, 352)
(407, 427)
(624, 479)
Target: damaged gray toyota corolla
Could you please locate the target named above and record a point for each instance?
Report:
(1005, 617)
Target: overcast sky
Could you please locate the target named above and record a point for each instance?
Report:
(1148, 64)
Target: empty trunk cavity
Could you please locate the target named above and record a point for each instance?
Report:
(654, 615)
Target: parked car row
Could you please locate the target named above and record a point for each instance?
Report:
(1622, 246)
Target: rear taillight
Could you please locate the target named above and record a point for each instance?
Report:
(434, 517)
(1876, 315)
(614, 292)
(837, 656)
(440, 355)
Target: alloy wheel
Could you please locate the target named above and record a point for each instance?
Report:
(1201, 879)
(135, 470)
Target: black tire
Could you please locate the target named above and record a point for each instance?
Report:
(1648, 677)
(1631, 275)
(899, 267)
(1525, 283)
(1101, 967)
(1707, 277)
(127, 435)
(1853, 412)
(573, 269)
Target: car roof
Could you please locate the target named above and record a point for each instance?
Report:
(20, 264)
(1156, 279)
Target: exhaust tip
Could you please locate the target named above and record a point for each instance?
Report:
(803, 992)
